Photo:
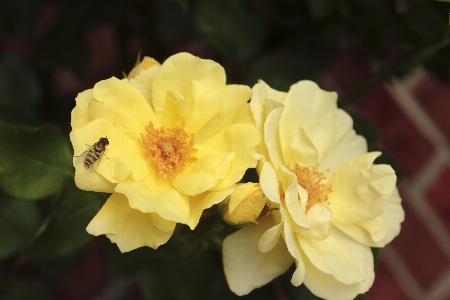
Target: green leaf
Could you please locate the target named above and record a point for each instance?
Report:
(229, 27)
(173, 25)
(294, 293)
(35, 162)
(20, 89)
(66, 231)
(26, 289)
(424, 19)
(320, 9)
(63, 47)
(19, 16)
(18, 221)
(279, 71)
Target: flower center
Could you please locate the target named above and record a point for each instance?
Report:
(314, 182)
(167, 149)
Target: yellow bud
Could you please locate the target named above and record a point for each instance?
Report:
(146, 63)
(244, 205)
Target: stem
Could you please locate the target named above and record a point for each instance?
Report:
(414, 56)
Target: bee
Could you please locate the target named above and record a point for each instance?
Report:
(92, 156)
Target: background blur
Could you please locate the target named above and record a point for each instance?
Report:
(388, 60)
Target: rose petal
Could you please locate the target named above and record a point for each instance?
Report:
(289, 184)
(169, 77)
(246, 268)
(203, 201)
(319, 219)
(122, 105)
(156, 194)
(127, 227)
(360, 190)
(308, 106)
(331, 256)
(268, 180)
(240, 139)
(203, 174)
(80, 114)
(326, 286)
(272, 138)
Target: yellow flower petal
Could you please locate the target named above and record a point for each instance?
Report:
(235, 109)
(270, 238)
(379, 231)
(319, 220)
(206, 104)
(204, 174)
(162, 224)
(302, 150)
(122, 105)
(360, 190)
(288, 182)
(208, 72)
(268, 180)
(272, 138)
(240, 139)
(80, 114)
(240, 194)
(156, 194)
(127, 227)
(203, 201)
(307, 106)
(122, 157)
(299, 273)
(332, 257)
(141, 77)
(347, 144)
(264, 100)
(328, 287)
(246, 268)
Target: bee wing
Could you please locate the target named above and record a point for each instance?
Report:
(94, 166)
(82, 156)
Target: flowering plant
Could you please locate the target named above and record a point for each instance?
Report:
(179, 139)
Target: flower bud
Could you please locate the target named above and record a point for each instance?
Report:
(146, 63)
(244, 205)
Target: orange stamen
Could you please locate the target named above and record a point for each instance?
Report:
(167, 149)
(314, 182)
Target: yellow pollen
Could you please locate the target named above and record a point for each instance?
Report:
(167, 149)
(314, 182)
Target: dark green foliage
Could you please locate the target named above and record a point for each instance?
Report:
(26, 289)
(233, 30)
(280, 42)
(20, 89)
(35, 162)
(65, 228)
(18, 222)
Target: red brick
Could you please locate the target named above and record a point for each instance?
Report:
(348, 71)
(399, 135)
(88, 279)
(438, 196)
(434, 97)
(386, 285)
(104, 47)
(418, 249)
(133, 293)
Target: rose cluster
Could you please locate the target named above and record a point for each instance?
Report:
(179, 141)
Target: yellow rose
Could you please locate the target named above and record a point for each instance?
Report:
(244, 205)
(179, 140)
(334, 203)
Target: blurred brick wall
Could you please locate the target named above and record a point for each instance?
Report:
(412, 116)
